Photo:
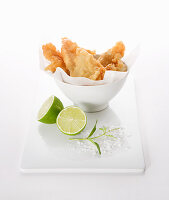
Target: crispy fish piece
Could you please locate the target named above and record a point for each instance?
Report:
(115, 52)
(87, 66)
(119, 66)
(111, 67)
(91, 52)
(55, 57)
(80, 62)
(111, 59)
(68, 52)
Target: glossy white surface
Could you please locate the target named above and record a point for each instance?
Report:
(48, 150)
(23, 25)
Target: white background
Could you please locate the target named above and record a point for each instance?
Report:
(94, 25)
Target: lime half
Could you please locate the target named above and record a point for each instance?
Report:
(71, 120)
(50, 110)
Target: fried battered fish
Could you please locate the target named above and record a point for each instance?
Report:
(87, 66)
(111, 59)
(55, 57)
(118, 66)
(80, 62)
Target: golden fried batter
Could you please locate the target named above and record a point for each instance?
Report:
(87, 66)
(111, 67)
(68, 52)
(91, 52)
(112, 58)
(79, 62)
(55, 57)
(115, 52)
(119, 66)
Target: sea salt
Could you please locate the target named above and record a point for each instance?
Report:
(108, 145)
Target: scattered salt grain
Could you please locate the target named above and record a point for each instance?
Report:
(108, 145)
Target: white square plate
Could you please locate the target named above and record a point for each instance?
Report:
(46, 149)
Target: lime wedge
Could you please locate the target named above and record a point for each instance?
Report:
(71, 120)
(50, 110)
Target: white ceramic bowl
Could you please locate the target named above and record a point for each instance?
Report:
(91, 98)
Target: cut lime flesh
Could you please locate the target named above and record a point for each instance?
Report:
(50, 110)
(71, 120)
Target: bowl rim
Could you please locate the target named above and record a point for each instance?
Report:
(91, 86)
